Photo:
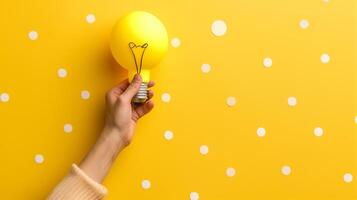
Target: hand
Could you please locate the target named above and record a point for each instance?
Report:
(122, 115)
(118, 129)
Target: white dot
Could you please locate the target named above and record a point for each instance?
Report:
(33, 35)
(175, 42)
(194, 196)
(261, 132)
(145, 184)
(85, 94)
(318, 132)
(231, 101)
(347, 178)
(166, 97)
(205, 68)
(204, 149)
(39, 158)
(4, 97)
(62, 72)
(230, 171)
(219, 27)
(356, 119)
(68, 128)
(168, 135)
(286, 170)
(325, 58)
(267, 62)
(90, 18)
(292, 101)
(304, 24)
(325, 1)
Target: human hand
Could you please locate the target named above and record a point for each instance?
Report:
(122, 115)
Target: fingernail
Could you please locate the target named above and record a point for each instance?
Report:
(137, 78)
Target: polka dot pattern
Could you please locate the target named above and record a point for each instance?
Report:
(146, 184)
(286, 170)
(219, 28)
(231, 101)
(33, 35)
(85, 94)
(67, 128)
(4, 97)
(261, 132)
(205, 68)
(304, 24)
(347, 178)
(39, 159)
(62, 73)
(228, 56)
(292, 101)
(175, 42)
(230, 172)
(194, 196)
(168, 135)
(166, 97)
(204, 149)
(90, 18)
(267, 62)
(325, 58)
(318, 131)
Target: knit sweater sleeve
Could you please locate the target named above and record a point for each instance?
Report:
(77, 186)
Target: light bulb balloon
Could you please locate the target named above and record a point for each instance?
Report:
(138, 43)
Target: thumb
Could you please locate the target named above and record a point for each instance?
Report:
(133, 88)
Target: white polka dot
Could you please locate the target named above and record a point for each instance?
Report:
(325, 58)
(347, 178)
(204, 149)
(292, 101)
(230, 172)
(219, 27)
(62, 72)
(261, 132)
(85, 94)
(304, 24)
(33, 35)
(68, 128)
(175, 42)
(231, 101)
(168, 135)
(267, 62)
(194, 196)
(4, 97)
(39, 158)
(286, 170)
(325, 1)
(205, 68)
(145, 184)
(318, 132)
(90, 18)
(166, 97)
(356, 119)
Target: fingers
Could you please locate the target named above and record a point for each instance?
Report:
(116, 91)
(150, 94)
(120, 88)
(145, 108)
(133, 88)
(151, 84)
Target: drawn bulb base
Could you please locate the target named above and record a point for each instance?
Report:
(142, 94)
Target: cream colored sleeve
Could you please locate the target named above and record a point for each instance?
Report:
(77, 186)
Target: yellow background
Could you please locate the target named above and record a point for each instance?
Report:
(32, 121)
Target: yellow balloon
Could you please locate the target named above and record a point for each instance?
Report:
(137, 29)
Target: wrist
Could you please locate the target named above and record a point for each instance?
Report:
(111, 137)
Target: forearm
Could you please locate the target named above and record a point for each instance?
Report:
(100, 158)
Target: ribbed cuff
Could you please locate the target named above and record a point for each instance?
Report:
(78, 185)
